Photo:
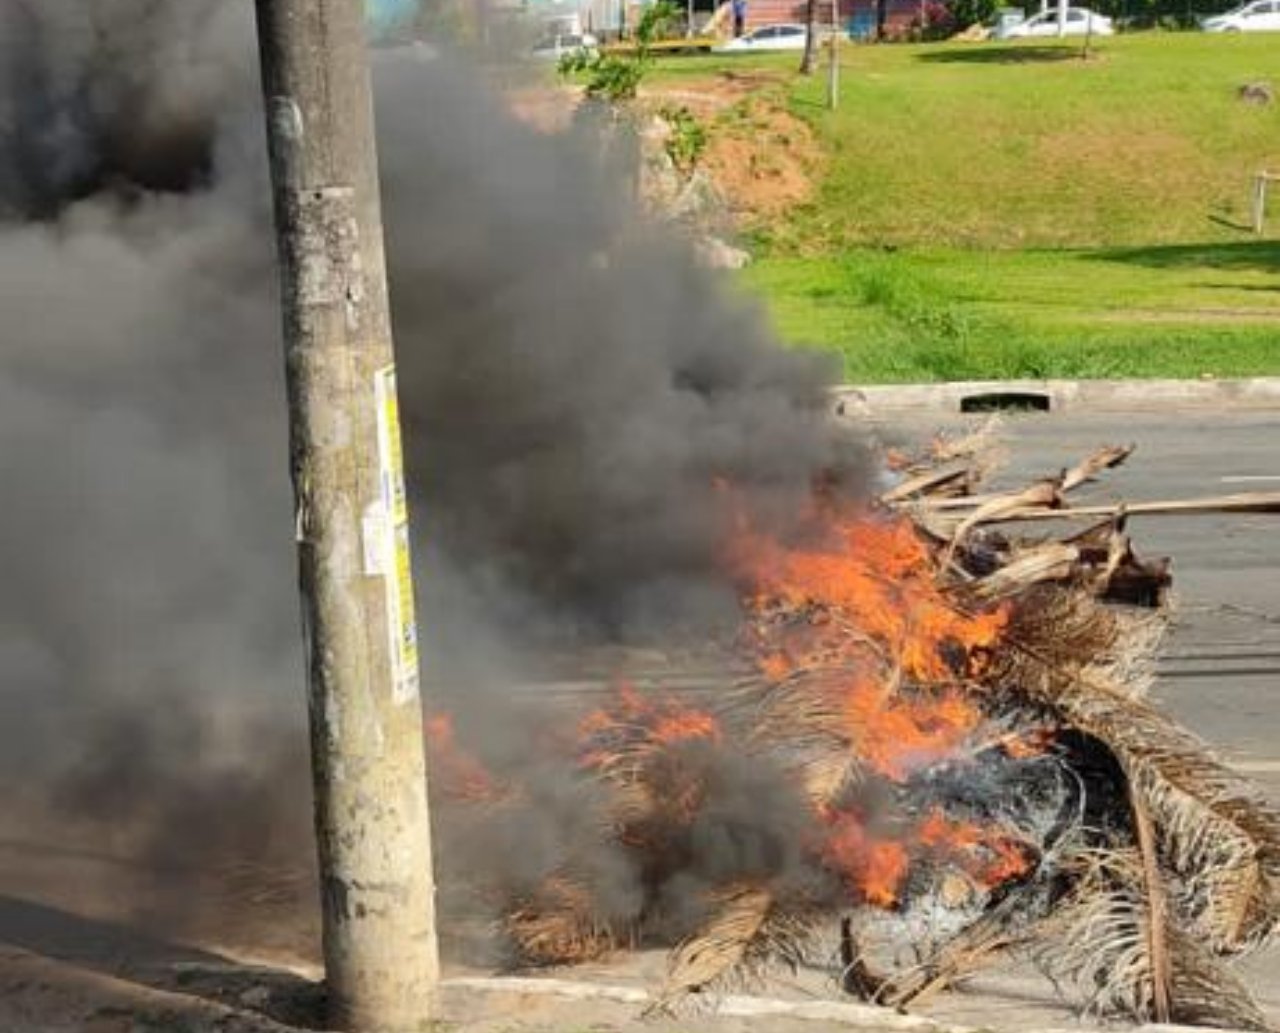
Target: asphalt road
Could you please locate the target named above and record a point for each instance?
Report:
(1220, 671)
(1220, 675)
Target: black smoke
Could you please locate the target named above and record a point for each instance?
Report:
(572, 386)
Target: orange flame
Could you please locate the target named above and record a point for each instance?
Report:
(859, 595)
(874, 867)
(634, 719)
(853, 604)
(1031, 742)
(897, 736)
(455, 772)
(991, 856)
(879, 575)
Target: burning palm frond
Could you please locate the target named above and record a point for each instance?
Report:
(960, 719)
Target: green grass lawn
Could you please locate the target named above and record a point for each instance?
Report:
(1004, 145)
(919, 315)
(1013, 210)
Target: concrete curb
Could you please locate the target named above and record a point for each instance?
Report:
(856, 1016)
(838, 1013)
(1066, 395)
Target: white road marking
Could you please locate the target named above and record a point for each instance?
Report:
(1258, 767)
(1249, 478)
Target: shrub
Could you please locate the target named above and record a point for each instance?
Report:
(616, 77)
(973, 12)
(687, 139)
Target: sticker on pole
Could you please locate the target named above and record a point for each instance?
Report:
(396, 560)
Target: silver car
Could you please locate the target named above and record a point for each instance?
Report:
(1259, 16)
(1080, 22)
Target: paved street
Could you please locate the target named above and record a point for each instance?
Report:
(1220, 674)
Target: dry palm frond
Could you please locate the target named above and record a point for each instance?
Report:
(808, 708)
(721, 945)
(857, 978)
(750, 931)
(1066, 481)
(1236, 502)
(1099, 941)
(557, 925)
(1214, 831)
(1156, 899)
(1052, 561)
(1059, 627)
(1072, 629)
(1043, 495)
(1106, 458)
(1130, 661)
(980, 448)
(982, 443)
(944, 482)
(804, 723)
(1000, 928)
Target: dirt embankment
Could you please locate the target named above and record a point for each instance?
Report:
(761, 158)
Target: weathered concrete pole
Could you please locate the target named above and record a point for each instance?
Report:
(352, 523)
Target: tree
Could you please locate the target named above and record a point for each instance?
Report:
(615, 76)
(973, 12)
(810, 60)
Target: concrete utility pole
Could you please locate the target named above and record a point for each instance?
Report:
(352, 524)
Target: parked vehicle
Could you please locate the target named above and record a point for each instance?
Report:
(766, 38)
(1259, 16)
(554, 47)
(1080, 22)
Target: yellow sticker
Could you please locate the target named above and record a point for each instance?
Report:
(397, 565)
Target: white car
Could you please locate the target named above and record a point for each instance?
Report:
(767, 37)
(1080, 22)
(553, 48)
(1259, 16)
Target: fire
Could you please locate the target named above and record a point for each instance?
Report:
(990, 856)
(878, 575)
(853, 608)
(1030, 742)
(634, 720)
(455, 772)
(897, 736)
(875, 868)
(860, 602)
(863, 652)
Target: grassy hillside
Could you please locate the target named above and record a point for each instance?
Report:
(996, 145)
(1013, 210)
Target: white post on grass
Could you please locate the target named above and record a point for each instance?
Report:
(1260, 182)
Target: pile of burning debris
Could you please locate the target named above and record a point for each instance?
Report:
(955, 719)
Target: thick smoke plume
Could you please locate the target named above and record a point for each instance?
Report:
(572, 388)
